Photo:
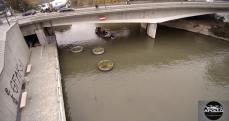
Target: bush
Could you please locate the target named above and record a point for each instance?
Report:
(27, 6)
(221, 30)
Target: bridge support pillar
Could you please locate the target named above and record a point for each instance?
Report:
(41, 36)
(151, 30)
(144, 25)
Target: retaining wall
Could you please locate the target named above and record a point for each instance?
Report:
(16, 56)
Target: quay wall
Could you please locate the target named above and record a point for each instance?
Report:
(15, 58)
(193, 26)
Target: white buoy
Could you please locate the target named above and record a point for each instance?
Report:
(77, 49)
(105, 65)
(98, 51)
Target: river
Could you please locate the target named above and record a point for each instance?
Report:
(153, 79)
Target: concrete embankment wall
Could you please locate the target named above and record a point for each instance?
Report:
(193, 26)
(16, 56)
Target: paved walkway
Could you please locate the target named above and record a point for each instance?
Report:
(42, 100)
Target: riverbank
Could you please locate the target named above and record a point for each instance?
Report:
(196, 26)
(45, 99)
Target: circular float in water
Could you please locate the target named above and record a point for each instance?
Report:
(98, 51)
(77, 49)
(105, 65)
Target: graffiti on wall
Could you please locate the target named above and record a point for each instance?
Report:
(15, 82)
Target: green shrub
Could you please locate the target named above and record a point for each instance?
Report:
(221, 30)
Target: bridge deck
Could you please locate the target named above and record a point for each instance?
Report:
(123, 8)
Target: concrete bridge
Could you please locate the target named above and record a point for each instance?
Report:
(149, 14)
(14, 53)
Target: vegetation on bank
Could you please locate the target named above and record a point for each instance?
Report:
(222, 30)
(20, 5)
(93, 2)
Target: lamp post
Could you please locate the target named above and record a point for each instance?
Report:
(5, 12)
(7, 18)
(105, 3)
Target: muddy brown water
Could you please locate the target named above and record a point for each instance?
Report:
(153, 79)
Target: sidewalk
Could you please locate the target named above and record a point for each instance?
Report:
(43, 99)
